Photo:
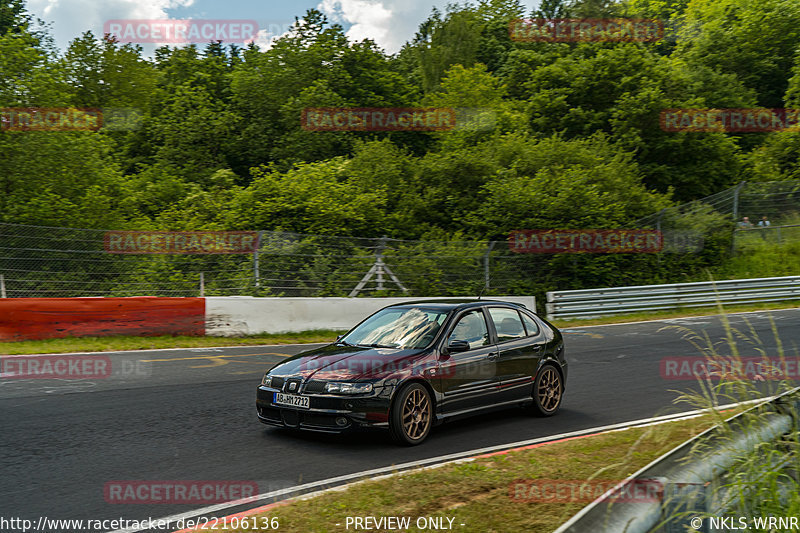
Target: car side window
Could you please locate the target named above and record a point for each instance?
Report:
(531, 327)
(472, 329)
(507, 324)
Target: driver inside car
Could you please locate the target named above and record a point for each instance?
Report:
(469, 330)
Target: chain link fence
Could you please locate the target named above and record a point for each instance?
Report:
(37, 261)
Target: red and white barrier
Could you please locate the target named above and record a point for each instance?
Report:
(46, 318)
(43, 318)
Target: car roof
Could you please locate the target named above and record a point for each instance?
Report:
(447, 305)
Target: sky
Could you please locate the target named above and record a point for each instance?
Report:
(390, 23)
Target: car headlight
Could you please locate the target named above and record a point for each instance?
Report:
(348, 388)
(267, 380)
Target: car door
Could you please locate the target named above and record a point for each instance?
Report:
(468, 378)
(520, 343)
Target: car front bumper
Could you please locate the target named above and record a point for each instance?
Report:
(326, 413)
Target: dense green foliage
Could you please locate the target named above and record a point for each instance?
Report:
(575, 140)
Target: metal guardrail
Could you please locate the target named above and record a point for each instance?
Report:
(587, 303)
(685, 479)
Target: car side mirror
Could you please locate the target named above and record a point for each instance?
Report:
(339, 337)
(458, 346)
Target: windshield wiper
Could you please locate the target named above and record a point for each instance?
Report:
(379, 345)
(345, 343)
(359, 345)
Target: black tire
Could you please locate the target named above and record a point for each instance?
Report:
(548, 391)
(411, 418)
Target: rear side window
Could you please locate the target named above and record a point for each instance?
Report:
(507, 324)
(531, 327)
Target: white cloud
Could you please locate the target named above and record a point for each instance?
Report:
(268, 34)
(71, 18)
(390, 23)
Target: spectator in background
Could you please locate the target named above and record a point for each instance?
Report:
(745, 223)
(763, 223)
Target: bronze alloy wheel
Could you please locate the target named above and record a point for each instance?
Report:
(547, 391)
(412, 415)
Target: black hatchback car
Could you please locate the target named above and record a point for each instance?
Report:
(414, 365)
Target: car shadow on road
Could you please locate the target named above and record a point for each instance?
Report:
(488, 429)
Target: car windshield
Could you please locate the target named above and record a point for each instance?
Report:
(397, 327)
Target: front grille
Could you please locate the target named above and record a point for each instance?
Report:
(288, 383)
(314, 387)
(277, 383)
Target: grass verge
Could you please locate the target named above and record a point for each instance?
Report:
(480, 493)
(122, 343)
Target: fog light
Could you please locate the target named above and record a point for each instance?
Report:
(341, 421)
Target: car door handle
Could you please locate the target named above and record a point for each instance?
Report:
(493, 356)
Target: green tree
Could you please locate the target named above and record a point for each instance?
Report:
(481, 104)
(13, 16)
(549, 9)
(193, 133)
(31, 75)
(188, 127)
(103, 73)
(58, 179)
(466, 35)
(314, 66)
(756, 40)
(309, 198)
(442, 43)
(560, 183)
(622, 90)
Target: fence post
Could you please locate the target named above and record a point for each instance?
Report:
(379, 262)
(736, 200)
(735, 214)
(658, 220)
(202, 285)
(256, 275)
(486, 276)
(2, 286)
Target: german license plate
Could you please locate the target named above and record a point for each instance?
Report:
(293, 400)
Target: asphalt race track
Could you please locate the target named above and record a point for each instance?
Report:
(189, 414)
